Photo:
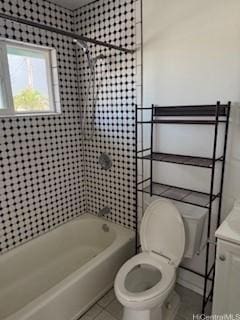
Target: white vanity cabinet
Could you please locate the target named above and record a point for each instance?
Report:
(227, 279)
(226, 299)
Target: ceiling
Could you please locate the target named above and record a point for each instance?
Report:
(71, 4)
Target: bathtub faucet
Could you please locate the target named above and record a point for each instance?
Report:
(104, 211)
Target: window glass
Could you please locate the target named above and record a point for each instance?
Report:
(2, 77)
(30, 79)
(1, 96)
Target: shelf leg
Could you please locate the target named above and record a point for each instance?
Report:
(210, 205)
(151, 160)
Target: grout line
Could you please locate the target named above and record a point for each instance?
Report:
(103, 309)
(94, 317)
(98, 313)
(103, 297)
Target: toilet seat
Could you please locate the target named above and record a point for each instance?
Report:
(149, 296)
(162, 231)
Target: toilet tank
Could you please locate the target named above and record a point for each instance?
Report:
(194, 221)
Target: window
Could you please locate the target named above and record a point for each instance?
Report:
(28, 79)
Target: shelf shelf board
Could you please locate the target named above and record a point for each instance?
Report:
(186, 121)
(191, 111)
(182, 121)
(180, 159)
(196, 198)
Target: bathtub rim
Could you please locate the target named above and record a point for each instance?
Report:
(37, 238)
(11, 249)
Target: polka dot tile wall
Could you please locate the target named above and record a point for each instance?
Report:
(48, 173)
(39, 11)
(112, 21)
(41, 157)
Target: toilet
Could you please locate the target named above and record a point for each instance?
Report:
(144, 284)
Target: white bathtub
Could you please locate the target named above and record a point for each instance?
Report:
(59, 275)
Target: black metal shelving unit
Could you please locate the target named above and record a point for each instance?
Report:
(206, 115)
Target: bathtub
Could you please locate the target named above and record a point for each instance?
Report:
(59, 275)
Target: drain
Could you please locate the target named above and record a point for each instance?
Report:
(105, 227)
(105, 161)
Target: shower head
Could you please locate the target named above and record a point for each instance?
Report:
(83, 45)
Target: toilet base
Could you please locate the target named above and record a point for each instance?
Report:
(167, 311)
(171, 306)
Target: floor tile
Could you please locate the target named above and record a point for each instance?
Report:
(191, 302)
(108, 308)
(86, 317)
(107, 299)
(92, 313)
(115, 309)
(104, 315)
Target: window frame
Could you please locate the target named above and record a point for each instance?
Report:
(52, 78)
(5, 82)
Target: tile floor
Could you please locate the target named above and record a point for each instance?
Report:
(108, 308)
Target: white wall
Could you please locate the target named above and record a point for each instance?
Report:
(192, 56)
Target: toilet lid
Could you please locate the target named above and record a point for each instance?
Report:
(162, 231)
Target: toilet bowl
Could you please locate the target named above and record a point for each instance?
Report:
(144, 284)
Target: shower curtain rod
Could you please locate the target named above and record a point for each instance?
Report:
(64, 33)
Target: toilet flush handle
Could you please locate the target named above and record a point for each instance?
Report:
(168, 306)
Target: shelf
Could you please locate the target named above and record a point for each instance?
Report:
(199, 111)
(180, 159)
(188, 196)
(183, 121)
(204, 115)
(191, 111)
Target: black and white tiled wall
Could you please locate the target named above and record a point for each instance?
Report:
(48, 174)
(41, 162)
(112, 21)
